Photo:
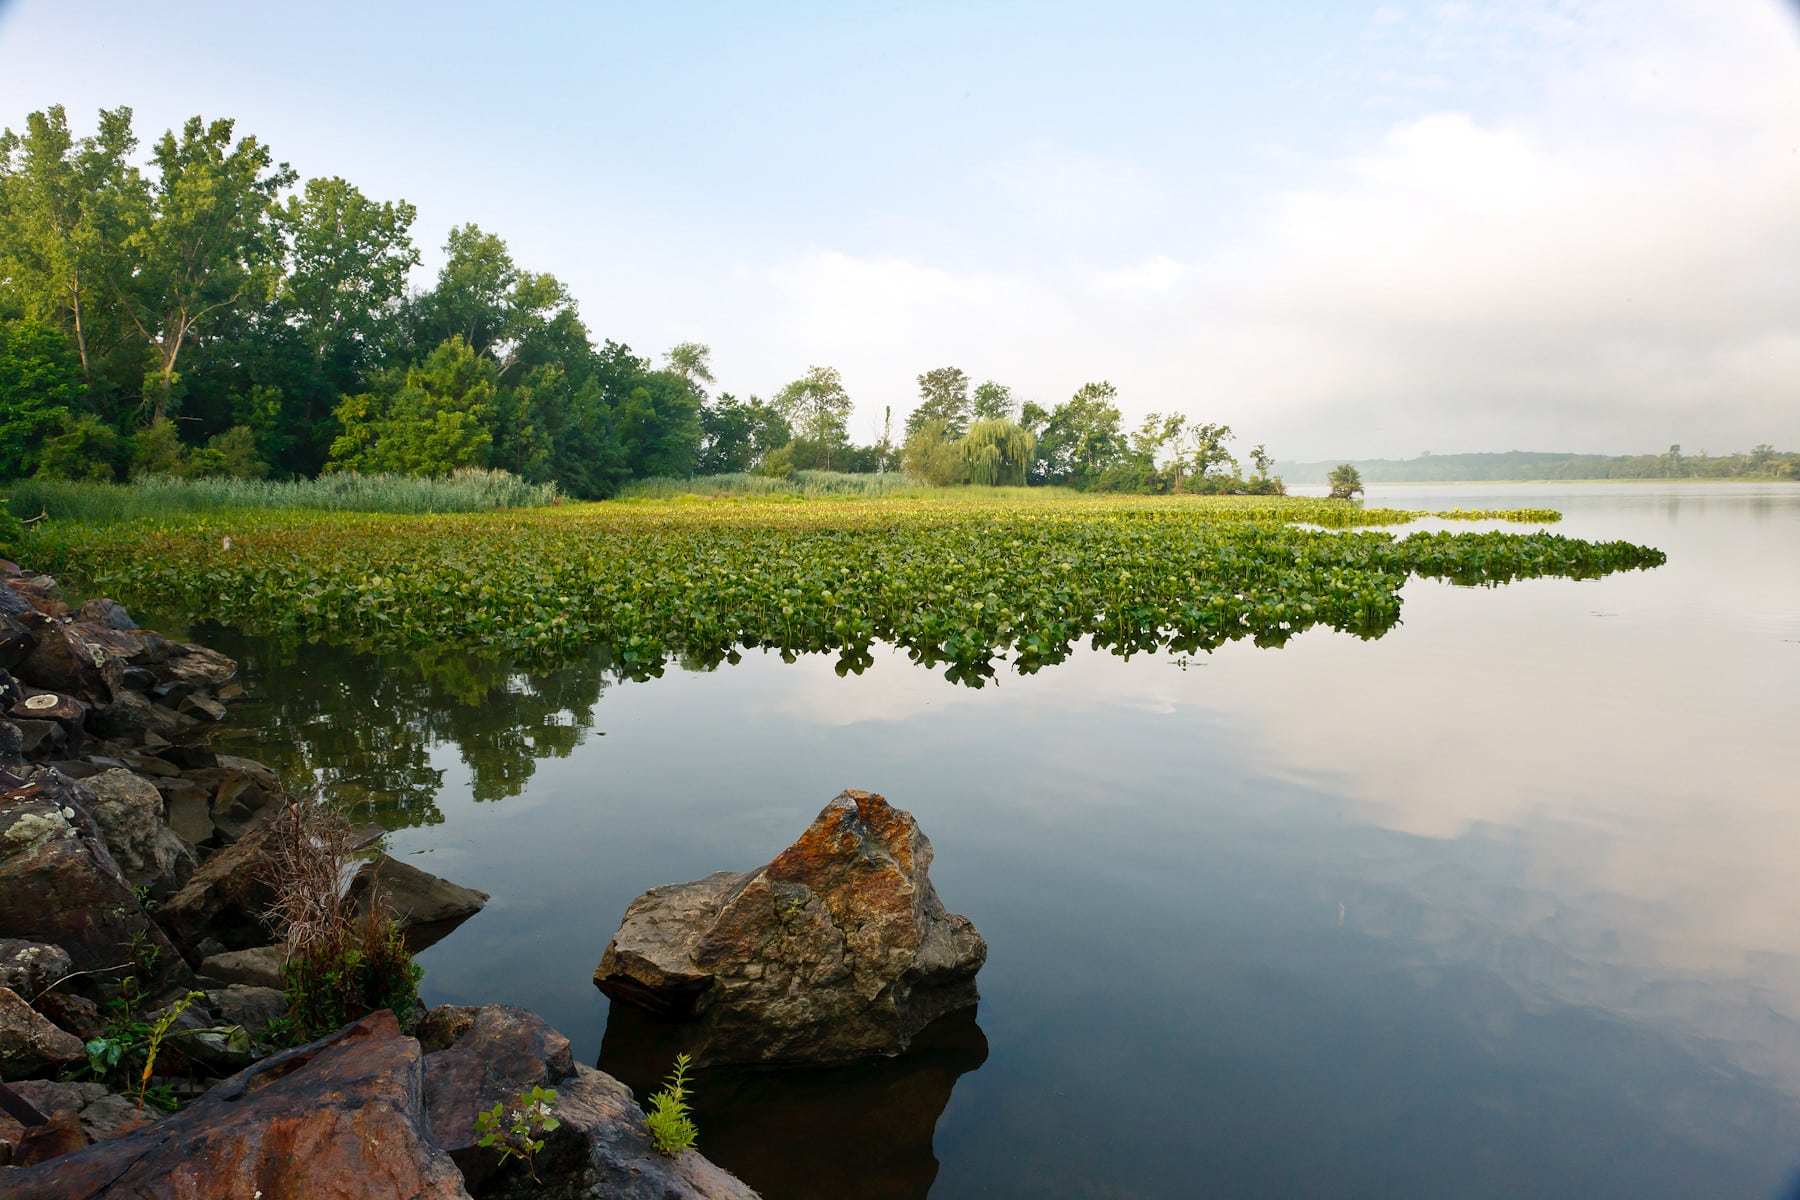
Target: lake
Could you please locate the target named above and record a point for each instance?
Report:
(1503, 903)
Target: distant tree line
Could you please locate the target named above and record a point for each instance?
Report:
(210, 314)
(1760, 462)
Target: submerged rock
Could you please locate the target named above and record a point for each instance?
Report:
(839, 949)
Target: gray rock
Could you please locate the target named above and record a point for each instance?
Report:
(109, 613)
(602, 1147)
(228, 897)
(129, 811)
(30, 967)
(259, 967)
(839, 949)
(31, 1046)
(102, 1114)
(424, 906)
(251, 1007)
(60, 885)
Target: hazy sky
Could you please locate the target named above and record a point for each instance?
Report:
(1345, 229)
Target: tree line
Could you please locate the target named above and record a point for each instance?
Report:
(199, 310)
(1759, 462)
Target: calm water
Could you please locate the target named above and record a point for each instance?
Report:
(1505, 903)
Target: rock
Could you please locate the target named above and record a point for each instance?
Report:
(839, 949)
(39, 593)
(341, 1119)
(30, 1045)
(16, 642)
(440, 1028)
(40, 737)
(102, 1114)
(198, 667)
(131, 714)
(259, 966)
(204, 707)
(187, 808)
(75, 1014)
(227, 897)
(109, 613)
(30, 967)
(66, 711)
(241, 800)
(504, 1052)
(602, 1147)
(129, 811)
(424, 906)
(251, 1007)
(59, 884)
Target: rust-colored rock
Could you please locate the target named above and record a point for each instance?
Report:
(31, 1046)
(839, 949)
(341, 1119)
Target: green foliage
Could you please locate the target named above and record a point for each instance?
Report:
(931, 456)
(342, 978)
(1345, 482)
(463, 491)
(668, 1117)
(517, 1132)
(85, 449)
(998, 453)
(963, 579)
(817, 408)
(430, 421)
(39, 379)
(944, 401)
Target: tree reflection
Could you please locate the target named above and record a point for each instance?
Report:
(365, 725)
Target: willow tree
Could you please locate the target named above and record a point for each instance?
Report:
(998, 453)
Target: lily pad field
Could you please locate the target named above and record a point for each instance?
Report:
(970, 583)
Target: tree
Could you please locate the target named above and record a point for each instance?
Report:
(693, 362)
(349, 257)
(931, 456)
(997, 453)
(1346, 482)
(659, 426)
(1207, 450)
(817, 408)
(943, 396)
(204, 244)
(39, 380)
(993, 402)
(735, 435)
(429, 420)
(1081, 439)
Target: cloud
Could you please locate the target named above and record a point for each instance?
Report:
(1608, 267)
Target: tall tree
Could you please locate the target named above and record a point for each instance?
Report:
(428, 420)
(693, 362)
(349, 258)
(817, 408)
(943, 396)
(993, 402)
(205, 244)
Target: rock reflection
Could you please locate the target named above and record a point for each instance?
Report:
(763, 1124)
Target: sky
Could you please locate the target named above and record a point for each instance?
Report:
(1346, 230)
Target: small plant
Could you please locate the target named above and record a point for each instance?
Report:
(670, 1121)
(158, 1032)
(517, 1134)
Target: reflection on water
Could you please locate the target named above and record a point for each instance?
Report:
(1501, 904)
(826, 1134)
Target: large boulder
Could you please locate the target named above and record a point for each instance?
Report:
(60, 885)
(601, 1149)
(31, 967)
(129, 811)
(837, 950)
(31, 1046)
(341, 1119)
(424, 907)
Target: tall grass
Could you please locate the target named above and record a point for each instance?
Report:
(468, 490)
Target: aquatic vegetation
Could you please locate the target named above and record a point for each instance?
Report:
(959, 582)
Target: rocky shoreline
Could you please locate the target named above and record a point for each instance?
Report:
(134, 858)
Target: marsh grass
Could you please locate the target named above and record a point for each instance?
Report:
(468, 490)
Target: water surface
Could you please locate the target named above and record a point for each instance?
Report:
(1502, 904)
